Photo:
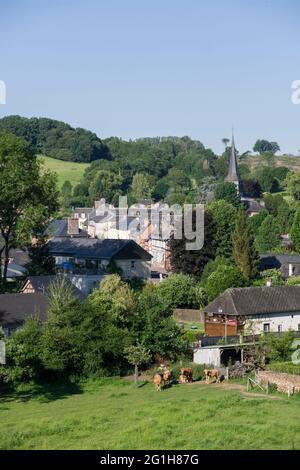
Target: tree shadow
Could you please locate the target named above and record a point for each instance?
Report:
(44, 393)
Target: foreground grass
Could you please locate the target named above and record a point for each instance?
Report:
(117, 415)
(65, 170)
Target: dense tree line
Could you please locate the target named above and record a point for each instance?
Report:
(56, 139)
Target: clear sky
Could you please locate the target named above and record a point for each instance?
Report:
(136, 68)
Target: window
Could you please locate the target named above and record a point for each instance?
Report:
(279, 328)
(132, 264)
(266, 327)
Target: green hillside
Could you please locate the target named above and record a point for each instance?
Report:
(65, 170)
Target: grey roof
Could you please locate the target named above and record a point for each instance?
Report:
(232, 170)
(94, 248)
(15, 308)
(256, 300)
(252, 205)
(41, 284)
(280, 259)
(59, 228)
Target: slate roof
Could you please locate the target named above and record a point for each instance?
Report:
(279, 260)
(59, 228)
(41, 284)
(15, 308)
(94, 248)
(233, 168)
(256, 300)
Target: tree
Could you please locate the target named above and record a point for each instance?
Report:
(193, 261)
(222, 278)
(180, 290)
(227, 192)
(137, 355)
(268, 235)
(206, 189)
(267, 180)
(292, 183)
(141, 187)
(105, 184)
(28, 194)
(256, 221)
(225, 141)
(264, 146)
(251, 188)
(224, 215)
(295, 230)
(154, 327)
(244, 251)
(23, 354)
(66, 192)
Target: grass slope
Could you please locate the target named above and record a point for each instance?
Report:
(65, 170)
(116, 415)
(254, 161)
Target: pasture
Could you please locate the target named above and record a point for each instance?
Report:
(115, 414)
(71, 171)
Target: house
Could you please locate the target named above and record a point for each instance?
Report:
(253, 206)
(253, 310)
(17, 266)
(15, 308)
(289, 265)
(86, 261)
(65, 228)
(41, 284)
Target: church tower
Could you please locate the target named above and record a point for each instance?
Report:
(233, 175)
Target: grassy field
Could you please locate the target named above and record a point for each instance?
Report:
(291, 162)
(65, 170)
(116, 414)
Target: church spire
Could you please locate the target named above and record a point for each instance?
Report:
(233, 176)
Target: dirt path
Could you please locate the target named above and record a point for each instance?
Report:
(239, 387)
(225, 385)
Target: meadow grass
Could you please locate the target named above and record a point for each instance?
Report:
(115, 414)
(71, 171)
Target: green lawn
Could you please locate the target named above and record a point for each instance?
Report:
(117, 415)
(65, 170)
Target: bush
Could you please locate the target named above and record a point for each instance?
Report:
(286, 367)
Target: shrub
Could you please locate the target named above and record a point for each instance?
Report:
(287, 367)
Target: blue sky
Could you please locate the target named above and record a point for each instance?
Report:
(135, 68)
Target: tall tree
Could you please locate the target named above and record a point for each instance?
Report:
(193, 262)
(224, 215)
(227, 191)
(243, 247)
(141, 187)
(295, 230)
(264, 146)
(28, 195)
(268, 235)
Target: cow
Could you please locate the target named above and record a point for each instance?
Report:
(186, 375)
(161, 378)
(211, 374)
(157, 382)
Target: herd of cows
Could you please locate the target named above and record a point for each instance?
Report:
(163, 377)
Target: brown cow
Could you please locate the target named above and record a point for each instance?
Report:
(186, 375)
(157, 382)
(211, 374)
(161, 378)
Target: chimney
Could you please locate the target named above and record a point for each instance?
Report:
(73, 226)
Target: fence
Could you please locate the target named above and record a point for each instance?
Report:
(219, 340)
